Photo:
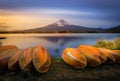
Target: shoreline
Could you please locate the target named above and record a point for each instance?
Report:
(2, 35)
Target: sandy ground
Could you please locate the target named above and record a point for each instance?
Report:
(59, 71)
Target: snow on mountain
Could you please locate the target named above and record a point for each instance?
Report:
(60, 23)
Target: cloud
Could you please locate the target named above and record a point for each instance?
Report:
(50, 11)
(63, 4)
(55, 11)
(4, 27)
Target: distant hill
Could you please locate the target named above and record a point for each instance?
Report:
(113, 30)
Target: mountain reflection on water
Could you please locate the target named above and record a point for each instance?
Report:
(55, 44)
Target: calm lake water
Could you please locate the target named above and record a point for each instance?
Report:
(54, 43)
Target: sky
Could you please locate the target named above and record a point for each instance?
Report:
(28, 14)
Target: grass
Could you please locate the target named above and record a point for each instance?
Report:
(113, 44)
(57, 59)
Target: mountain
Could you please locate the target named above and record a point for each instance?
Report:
(61, 26)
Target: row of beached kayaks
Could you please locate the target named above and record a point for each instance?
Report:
(33, 57)
(38, 58)
(85, 55)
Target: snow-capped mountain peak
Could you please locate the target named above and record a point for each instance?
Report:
(61, 23)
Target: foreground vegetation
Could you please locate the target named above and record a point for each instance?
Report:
(111, 44)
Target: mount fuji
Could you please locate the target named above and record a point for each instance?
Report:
(61, 26)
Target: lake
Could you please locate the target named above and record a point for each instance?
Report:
(54, 43)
